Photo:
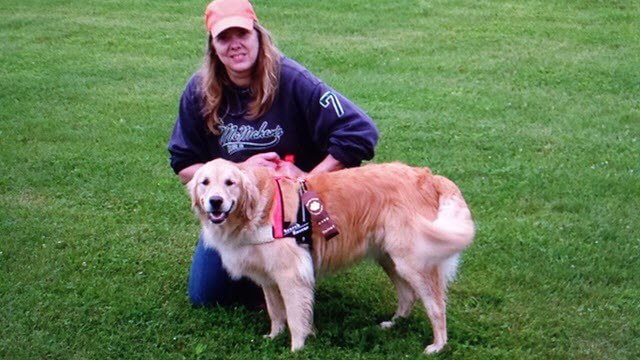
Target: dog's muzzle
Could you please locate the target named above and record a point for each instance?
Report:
(215, 210)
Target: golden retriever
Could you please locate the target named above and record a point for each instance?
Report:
(413, 223)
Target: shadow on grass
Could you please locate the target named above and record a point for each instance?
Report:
(347, 317)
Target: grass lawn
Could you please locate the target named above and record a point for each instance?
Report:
(532, 107)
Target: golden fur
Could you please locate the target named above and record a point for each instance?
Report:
(413, 223)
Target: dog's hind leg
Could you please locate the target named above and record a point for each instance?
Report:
(428, 284)
(406, 295)
(298, 300)
(276, 310)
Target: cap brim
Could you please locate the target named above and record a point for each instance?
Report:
(233, 21)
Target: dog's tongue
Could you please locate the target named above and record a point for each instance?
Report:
(216, 216)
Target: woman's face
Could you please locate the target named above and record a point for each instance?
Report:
(237, 49)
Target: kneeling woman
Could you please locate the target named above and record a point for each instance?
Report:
(249, 103)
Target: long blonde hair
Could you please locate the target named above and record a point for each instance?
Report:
(264, 85)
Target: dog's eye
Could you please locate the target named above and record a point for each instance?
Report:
(205, 182)
(229, 182)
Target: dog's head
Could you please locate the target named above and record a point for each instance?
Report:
(221, 191)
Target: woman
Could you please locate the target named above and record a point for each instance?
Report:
(249, 103)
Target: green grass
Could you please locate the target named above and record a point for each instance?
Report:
(532, 107)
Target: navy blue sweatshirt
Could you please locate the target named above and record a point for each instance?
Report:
(308, 119)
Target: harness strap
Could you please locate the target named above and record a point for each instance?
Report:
(301, 229)
(319, 215)
(310, 210)
(277, 211)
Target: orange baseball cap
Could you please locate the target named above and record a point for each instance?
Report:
(223, 14)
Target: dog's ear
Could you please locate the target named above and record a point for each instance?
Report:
(192, 188)
(249, 195)
(255, 180)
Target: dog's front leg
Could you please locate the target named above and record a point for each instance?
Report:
(276, 310)
(298, 300)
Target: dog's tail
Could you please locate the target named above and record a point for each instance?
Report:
(453, 227)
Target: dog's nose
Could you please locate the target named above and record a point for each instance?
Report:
(215, 202)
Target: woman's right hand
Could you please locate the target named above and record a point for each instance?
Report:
(187, 173)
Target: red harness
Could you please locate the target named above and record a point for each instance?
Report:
(277, 211)
(309, 201)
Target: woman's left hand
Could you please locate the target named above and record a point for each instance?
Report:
(288, 169)
(269, 159)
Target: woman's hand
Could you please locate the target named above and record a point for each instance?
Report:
(288, 169)
(327, 165)
(187, 173)
(269, 159)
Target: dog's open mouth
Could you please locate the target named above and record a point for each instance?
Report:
(218, 217)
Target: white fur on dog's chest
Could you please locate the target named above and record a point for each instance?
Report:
(251, 252)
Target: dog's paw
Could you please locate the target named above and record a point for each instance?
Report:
(272, 335)
(297, 346)
(433, 348)
(386, 325)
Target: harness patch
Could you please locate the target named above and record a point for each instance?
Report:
(319, 215)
